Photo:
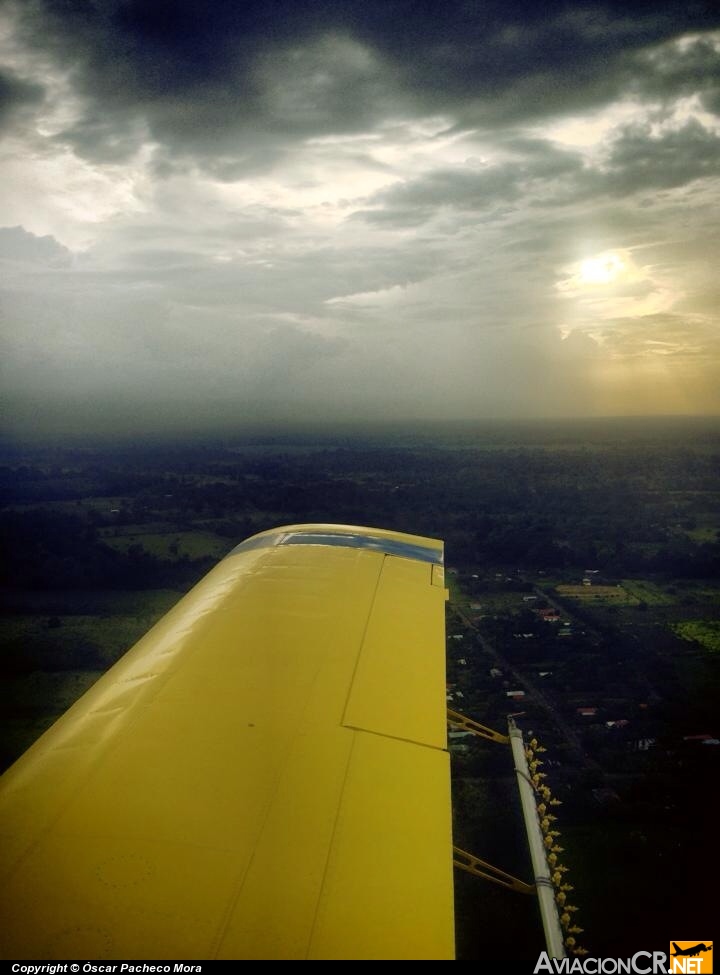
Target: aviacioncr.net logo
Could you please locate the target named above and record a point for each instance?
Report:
(641, 963)
(686, 957)
(691, 956)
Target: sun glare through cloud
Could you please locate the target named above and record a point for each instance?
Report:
(602, 269)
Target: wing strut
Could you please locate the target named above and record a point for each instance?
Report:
(535, 797)
(480, 868)
(474, 727)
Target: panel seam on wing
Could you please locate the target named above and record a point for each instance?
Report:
(330, 847)
(362, 642)
(409, 741)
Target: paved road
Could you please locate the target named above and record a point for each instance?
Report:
(539, 697)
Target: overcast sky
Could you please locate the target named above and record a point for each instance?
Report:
(229, 211)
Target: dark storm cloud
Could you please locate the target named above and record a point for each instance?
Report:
(641, 161)
(473, 188)
(104, 138)
(412, 203)
(15, 94)
(671, 70)
(233, 83)
(638, 160)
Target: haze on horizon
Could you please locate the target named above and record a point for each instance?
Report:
(237, 213)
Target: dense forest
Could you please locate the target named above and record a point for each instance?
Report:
(632, 508)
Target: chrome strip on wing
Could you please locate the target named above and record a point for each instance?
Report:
(390, 546)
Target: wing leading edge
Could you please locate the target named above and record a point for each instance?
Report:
(264, 775)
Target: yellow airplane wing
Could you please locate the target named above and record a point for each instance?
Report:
(264, 775)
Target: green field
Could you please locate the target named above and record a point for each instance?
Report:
(616, 595)
(492, 603)
(62, 689)
(457, 596)
(648, 592)
(149, 604)
(46, 644)
(702, 593)
(32, 702)
(55, 645)
(103, 505)
(71, 640)
(704, 632)
(146, 528)
(707, 534)
(174, 545)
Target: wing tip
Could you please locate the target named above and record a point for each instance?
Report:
(390, 542)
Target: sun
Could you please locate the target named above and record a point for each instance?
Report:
(602, 269)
